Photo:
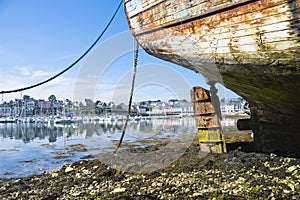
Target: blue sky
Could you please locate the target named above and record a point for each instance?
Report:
(39, 38)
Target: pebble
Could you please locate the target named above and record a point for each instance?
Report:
(54, 174)
(257, 177)
(196, 194)
(291, 186)
(117, 190)
(69, 169)
(75, 194)
(187, 190)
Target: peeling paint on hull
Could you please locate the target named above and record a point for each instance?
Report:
(250, 46)
(256, 33)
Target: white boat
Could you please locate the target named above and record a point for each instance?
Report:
(109, 119)
(78, 120)
(63, 120)
(8, 120)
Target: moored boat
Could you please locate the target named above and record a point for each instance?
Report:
(250, 46)
(63, 120)
(8, 120)
(107, 119)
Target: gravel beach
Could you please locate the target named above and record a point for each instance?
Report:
(234, 175)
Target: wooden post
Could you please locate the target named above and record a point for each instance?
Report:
(207, 121)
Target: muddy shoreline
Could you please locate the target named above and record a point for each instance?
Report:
(235, 175)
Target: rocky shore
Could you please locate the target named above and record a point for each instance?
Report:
(235, 175)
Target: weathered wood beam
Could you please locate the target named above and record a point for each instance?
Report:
(207, 121)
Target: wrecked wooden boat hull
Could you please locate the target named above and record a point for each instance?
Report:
(250, 46)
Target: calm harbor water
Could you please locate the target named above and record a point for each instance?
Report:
(27, 149)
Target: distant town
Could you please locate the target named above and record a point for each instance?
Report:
(29, 106)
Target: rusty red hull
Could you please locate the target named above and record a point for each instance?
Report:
(250, 46)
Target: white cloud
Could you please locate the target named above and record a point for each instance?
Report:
(33, 74)
(25, 70)
(60, 81)
(23, 76)
(40, 73)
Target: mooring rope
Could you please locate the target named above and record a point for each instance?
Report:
(136, 53)
(73, 64)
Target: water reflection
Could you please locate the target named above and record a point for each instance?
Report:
(27, 149)
(33, 148)
(29, 132)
